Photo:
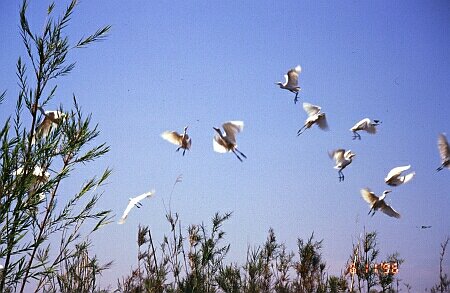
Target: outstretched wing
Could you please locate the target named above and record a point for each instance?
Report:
(231, 128)
(361, 125)
(388, 210)
(443, 147)
(369, 196)
(125, 213)
(322, 121)
(337, 155)
(218, 145)
(311, 109)
(142, 196)
(292, 80)
(172, 137)
(396, 172)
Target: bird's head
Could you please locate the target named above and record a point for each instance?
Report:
(217, 130)
(280, 84)
(377, 121)
(386, 192)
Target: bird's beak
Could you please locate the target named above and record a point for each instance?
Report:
(388, 191)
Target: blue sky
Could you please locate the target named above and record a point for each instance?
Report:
(201, 63)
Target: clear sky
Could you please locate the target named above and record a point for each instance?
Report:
(167, 64)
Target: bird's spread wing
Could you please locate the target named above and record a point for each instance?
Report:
(408, 177)
(388, 210)
(396, 172)
(337, 155)
(188, 142)
(369, 196)
(322, 122)
(231, 128)
(131, 204)
(310, 109)
(172, 137)
(142, 196)
(218, 145)
(293, 77)
(125, 213)
(360, 125)
(443, 147)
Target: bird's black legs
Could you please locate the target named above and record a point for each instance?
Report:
(341, 176)
(301, 130)
(296, 98)
(184, 150)
(356, 135)
(138, 205)
(440, 168)
(237, 156)
(241, 153)
(178, 149)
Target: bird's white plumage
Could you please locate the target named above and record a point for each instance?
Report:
(315, 116)
(218, 147)
(172, 137)
(133, 201)
(444, 150)
(51, 120)
(231, 128)
(394, 177)
(366, 125)
(292, 77)
(378, 203)
(311, 109)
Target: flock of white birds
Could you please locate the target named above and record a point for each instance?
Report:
(225, 141)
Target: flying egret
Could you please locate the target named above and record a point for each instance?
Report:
(342, 159)
(224, 143)
(183, 141)
(291, 83)
(134, 201)
(423, 227)
(444, 151)
(393, 178)
(365, 125)
(378, 203)
(314, 117)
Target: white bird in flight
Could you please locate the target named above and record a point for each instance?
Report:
(183, 141)
(224, 143)
(342, 159)
(315, 116)
(394, 177)
(291, 81)
(365, 125)
(134, 201)
(378, 203)
(444, 151)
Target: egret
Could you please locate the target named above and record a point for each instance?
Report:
(183, 141)
(444, 151)
(291, 81)
(423, 227)
(365, 125)
(40, 176)
(342, 159)
(226, 142)
(378, 203)
(134, 201)
(51, 120)
(315, 116)
(393, 178)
